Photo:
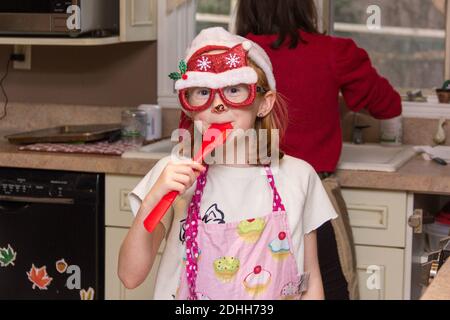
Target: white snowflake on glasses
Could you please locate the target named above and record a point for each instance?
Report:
(204, 64)
(233, 60)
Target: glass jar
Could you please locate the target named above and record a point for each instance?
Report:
(134, 126)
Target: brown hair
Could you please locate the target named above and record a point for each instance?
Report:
(282, 17)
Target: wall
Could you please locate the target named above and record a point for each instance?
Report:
(114, 75)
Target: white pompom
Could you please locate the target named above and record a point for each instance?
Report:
(247, 45)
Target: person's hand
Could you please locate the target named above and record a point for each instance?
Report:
(177, 176)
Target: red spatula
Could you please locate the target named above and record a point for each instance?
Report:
(214, 140)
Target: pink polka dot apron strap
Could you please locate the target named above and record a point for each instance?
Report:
(277, 203)
(192, 220)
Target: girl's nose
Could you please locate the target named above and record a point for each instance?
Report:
(218, 105)
(219, 109)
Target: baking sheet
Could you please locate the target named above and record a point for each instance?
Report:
(69, 133)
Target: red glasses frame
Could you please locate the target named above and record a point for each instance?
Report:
(185, 104)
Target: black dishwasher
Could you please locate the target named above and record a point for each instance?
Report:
(51, 235)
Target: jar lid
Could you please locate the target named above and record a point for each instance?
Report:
(134, 113)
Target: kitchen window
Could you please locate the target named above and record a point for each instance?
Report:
(216, 13)
(408, 47)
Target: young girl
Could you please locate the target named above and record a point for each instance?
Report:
(236, 231)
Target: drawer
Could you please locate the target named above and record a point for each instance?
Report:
(117, 208)
(377, 217)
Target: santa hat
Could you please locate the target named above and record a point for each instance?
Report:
(203, 69)
(224, 69)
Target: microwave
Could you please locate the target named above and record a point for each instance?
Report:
(73, 18)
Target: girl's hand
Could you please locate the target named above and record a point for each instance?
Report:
(177, 176)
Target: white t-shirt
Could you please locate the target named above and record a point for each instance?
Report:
(234, 194)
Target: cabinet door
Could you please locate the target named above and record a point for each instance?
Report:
(380, 273)
(138, 20)
(117, 207)
(114, 289)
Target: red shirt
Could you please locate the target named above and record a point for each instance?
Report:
(310, 77)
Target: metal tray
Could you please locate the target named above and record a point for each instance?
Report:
(71, 133)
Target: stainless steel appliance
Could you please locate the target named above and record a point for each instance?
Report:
(50, 17)
(51, 235)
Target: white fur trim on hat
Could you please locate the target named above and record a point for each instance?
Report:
(218, 80)
(220, 37)
(247, 45)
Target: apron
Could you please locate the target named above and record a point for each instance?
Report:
(249, 259)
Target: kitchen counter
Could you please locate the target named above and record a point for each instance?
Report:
(439, 289)
(10, 156)
(417, 175)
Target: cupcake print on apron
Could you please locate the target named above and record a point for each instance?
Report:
(244, 260)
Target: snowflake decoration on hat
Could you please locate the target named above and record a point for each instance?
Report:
(233, 60)
(204, 64)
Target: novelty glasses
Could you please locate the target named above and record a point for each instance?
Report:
(200, 98)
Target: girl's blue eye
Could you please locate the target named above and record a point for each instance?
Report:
(201, 92)
(233, 90)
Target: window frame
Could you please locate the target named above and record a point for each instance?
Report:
(176, 30)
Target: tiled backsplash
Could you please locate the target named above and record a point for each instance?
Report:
(415, 131)
(26, 117)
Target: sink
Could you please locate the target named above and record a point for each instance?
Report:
(155, 151)
(374, 157)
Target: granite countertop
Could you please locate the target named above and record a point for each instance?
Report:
(10, 156)
(417, 175)
(439, 289)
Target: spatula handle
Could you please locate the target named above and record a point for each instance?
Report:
(159, 211)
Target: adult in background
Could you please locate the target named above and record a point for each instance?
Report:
(311, 69)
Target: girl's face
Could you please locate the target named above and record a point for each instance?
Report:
(240, 118)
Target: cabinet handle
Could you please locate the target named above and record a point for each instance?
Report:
(416, 221)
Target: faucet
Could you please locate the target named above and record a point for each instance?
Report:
(440, 136)
(357, 133)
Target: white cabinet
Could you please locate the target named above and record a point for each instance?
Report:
(118, 219)
(379, 225)
(117, 208)
(377, 218)
(114, 289)
(138, 22)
